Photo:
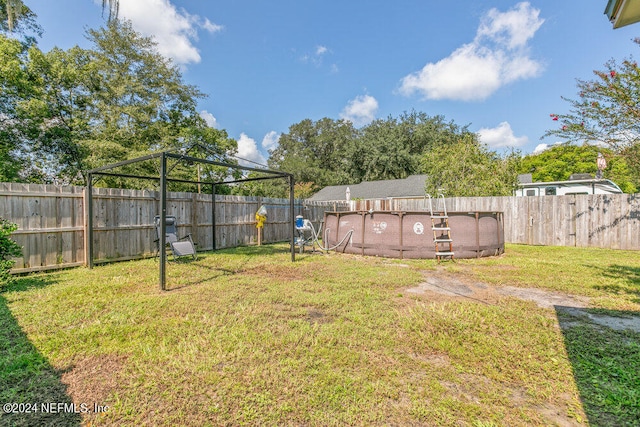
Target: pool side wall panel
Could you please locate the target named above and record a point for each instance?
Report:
(409, 234)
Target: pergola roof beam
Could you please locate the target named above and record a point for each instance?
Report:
(126, 162)
(226, 165)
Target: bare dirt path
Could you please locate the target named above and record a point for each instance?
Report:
(441, 285)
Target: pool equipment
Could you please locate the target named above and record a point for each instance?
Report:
(307, 235)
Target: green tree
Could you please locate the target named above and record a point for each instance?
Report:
(330, 152)
(15, 84)
(392, 148)
(49, 120)
(606, 112)
(119, 100)
(315, 152)
(14, 13)
(278, 187)
(139, 100)
(382, 152)
(17, 18)
(467, 168)
(559, 162)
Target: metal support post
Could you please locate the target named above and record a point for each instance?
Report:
(163, 221)
(213, 215)
(292, 217)
(89, 229)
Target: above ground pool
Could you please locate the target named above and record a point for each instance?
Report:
(410, 235)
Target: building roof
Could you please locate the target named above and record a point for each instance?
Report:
(410, 187)
(622, 12)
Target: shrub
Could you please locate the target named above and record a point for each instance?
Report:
(8, 250)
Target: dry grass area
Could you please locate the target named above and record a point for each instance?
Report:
(245, 337)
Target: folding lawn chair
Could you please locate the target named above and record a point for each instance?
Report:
(182, 246)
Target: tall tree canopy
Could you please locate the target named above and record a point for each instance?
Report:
(17, 18)
(392, 148)
(333, 152)
(467, 168)
(14, 13)
(315, 152)
(607, 111)
(14, 86)
(84, 108)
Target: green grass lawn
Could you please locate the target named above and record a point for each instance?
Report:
(245, 337)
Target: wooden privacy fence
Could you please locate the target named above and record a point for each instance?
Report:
(604, 221)
(52, 222)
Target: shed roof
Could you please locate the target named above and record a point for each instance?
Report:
(412, 186)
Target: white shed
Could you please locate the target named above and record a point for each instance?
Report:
(577, 184)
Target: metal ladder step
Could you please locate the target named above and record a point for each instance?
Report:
(440, 224)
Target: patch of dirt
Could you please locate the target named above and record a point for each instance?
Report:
(439, 284)
(435, 359)
(557, 416)
(442, 286)
(93, 379)
(315, 316)
(544, 299)
(473, 387)
(617, 323)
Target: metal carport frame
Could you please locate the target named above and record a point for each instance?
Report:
(163, 178)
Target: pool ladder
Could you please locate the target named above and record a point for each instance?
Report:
(440, 228)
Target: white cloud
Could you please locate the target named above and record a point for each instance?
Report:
(543, 147)
(174, 30)
(316, 58)
(513, 28)
(498, 55)
(361, 110)
(501, 136)
(540, 148)
(210, 26)
(209, 118)
(270, 140)
(248, 149)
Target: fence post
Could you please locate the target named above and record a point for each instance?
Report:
(194, 214)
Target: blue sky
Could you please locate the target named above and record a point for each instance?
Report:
(499, 67)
